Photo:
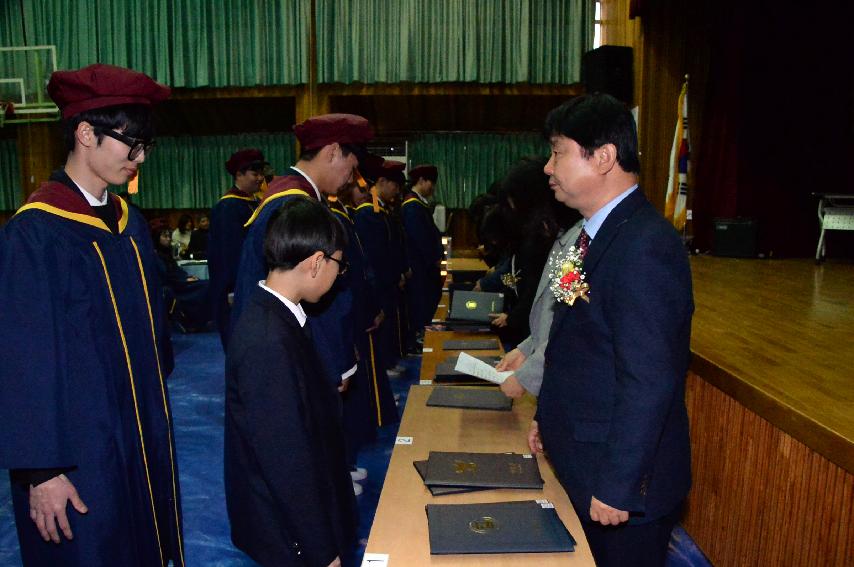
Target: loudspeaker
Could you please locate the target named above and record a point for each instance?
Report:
(609, 69)
(735, 238)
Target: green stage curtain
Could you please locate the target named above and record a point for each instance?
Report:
(11, 24)
(435, 41)
(10, 176)
(189, 172)
(182, 43)
(470, 162)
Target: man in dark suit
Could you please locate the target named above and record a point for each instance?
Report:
(611, 412)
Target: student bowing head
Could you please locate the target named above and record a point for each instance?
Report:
(304, 249)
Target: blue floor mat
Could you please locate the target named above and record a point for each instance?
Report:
(197, 396)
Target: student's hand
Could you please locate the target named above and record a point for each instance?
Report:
(345, 383)
(192, 279)
(48, 501)
(378, 320)
(512, 388)
(408, 274)
(476, 286)
(335, 562)
(535, 443)
(499, 319)
(511, 361)
(606, 515)
(402, 283)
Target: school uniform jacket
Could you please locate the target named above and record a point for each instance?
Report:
(288, 490)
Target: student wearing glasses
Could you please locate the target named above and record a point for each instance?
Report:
(85, 422)
(288, 491)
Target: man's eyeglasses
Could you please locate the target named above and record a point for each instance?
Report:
(343, 265)
(136, 145)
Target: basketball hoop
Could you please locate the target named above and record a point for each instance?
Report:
(6, 108)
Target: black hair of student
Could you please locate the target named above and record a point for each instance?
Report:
(183, 220)
(134, 120)
(308, 155)
(493, 235)
(298, 229)
(479, 206)
(594, 120)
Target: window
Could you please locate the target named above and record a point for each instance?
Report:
(597, 26)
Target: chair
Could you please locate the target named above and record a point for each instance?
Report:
(835, 212)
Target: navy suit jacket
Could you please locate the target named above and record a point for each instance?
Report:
(611, 410)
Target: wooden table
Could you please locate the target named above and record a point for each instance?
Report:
(400, 525)
(466, 265)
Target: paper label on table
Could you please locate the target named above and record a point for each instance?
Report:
(427, 349)
(442, 305)
(545, 504)
(425, 382)
(375, 560)
(436, 321)
(403, 441)
(527, 456)
(467, 364)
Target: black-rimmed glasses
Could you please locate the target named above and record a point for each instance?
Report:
(343, 265)
(136, 145)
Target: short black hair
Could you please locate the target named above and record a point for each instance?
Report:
(594, 120)
(346, 150)
(134, 120)
(298, 229)
(183, 220)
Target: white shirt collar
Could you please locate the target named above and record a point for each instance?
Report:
(310, 180)
(421, 197)
(295, 308)
(91, 198)
(594, 223)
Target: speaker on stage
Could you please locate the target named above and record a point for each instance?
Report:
(608, 69)
(735, 238)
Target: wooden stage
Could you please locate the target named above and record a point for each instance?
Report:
(771, 400)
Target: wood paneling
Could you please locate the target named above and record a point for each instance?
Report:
(450, 112)
(760, 497)
(40, 152)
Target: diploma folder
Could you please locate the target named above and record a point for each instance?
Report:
(421, 467)
(483, 470)
(526, 526)
(469, 398)
(475, 306)
(446, 374)
(472, 344)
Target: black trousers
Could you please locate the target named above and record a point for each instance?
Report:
(628, 545)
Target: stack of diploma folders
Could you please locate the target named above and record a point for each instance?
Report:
(527, 526)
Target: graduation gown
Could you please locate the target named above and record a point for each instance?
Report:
(252, 267)
(82, 384)
(375, 233)
(369, 401)
(225, 242)
(288, 490)
(401, 258)
(424, 249)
